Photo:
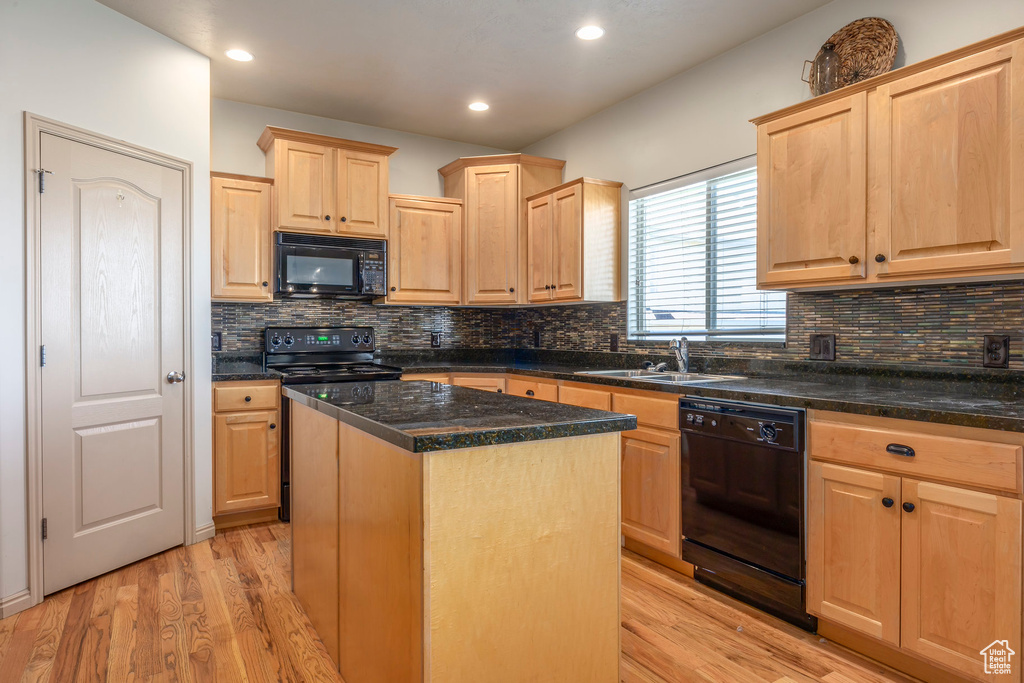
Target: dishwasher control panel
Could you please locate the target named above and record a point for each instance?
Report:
(745, 422)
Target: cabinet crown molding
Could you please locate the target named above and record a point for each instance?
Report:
(271, 133)
(896, 74)
(578, 181)
(496, 159)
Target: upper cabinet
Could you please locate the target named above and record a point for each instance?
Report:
(912, 176)
(494, 191)
(328, 185)
(425, 251)
(572, 240)
(240, 238)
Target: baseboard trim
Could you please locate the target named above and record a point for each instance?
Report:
(233, 519)
(205, 532)
(13, 604)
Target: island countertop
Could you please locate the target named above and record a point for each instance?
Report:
(427, 416)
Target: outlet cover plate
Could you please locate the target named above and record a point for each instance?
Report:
(215, 341)
(823, 347)
(435, 340)
(613, 341)
(997, 351)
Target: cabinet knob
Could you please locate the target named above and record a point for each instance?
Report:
(248, 399)
(880, 258)
(854, 260)
(511, 289)
(547, 286)
(342, 219)
(500, 391)
(273, 426)
(394, 289)
(327, 218)
(888, 502)
(908, 507)
(529, 392)
(265, 283)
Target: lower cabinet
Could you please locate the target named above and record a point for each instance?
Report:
(651, 502)
(246, 447)
(539, 389)
(481, 381)
(930, 568)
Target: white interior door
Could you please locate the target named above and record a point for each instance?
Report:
(112, 322)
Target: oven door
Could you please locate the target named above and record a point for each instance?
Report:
(317, 271)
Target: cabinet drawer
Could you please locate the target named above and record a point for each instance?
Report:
(442, 377)
(974, 462)
(585, 397)
(481, 381)
(653, 411)
(246, 396)
(544, 391)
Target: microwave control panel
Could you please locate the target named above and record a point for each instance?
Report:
(374, 279)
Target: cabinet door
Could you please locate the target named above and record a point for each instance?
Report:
(651, 502)
(567, 260)
(961, 582)
(304, 175)
(948, 148)
(246, 469)
(853, 549)
(362, 194)
(492, 234)
(493, 383)
(425, 252)
(240, 240)
(811, 195)
(540, 247)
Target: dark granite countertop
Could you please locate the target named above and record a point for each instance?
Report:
(973, 400)
(232, 367)
(427, 416)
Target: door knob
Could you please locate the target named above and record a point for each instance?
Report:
(175, 377)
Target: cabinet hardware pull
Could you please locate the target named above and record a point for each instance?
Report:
(547, 286)
(327, 218)
(529, 392)
(888, 502)
(342, 219)
(854, 260)
(394, 289)
(273, 426)
(908, 507)
(265, 283)
(248, 398)
(880, 258)
(511, 289)
(500, 391)
(900, 449)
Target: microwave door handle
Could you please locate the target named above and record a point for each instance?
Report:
(359, 275)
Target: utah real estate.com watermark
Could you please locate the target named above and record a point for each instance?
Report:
(997, 657)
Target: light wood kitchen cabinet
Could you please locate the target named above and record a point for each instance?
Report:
(480, 380)
(327, 185)
(542, 390)
(440, 377)
(494, 191)
(573, 242)
(853, 538)
(931, 569)
(425, 250)
(907, 177)
(584, 396)
(651, 502)
(811, 194)
(240, 238)
(246, 448)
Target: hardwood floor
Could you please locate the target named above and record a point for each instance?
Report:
(222, 610)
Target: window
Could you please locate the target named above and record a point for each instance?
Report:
(693, 260)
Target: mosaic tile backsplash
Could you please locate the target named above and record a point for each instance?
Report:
(931, 325)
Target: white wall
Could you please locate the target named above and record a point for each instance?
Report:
(700, 118)
(81, 63)
(412, 169)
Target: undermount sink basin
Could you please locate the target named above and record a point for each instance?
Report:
(659, 377)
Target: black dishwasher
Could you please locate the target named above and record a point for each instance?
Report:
(743, 502)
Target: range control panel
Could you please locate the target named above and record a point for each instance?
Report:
(748, 423)
(313, 339)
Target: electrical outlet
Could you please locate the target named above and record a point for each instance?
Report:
(823, 347)
(613, 342)
(435, 340)
(215, 341)
(997, 351)
(536, 337)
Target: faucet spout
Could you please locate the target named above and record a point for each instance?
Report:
(681, 348)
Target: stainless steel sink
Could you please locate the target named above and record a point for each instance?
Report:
(659, 377)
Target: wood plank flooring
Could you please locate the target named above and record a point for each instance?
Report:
(223, 611)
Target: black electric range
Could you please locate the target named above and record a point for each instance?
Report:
(341, 358)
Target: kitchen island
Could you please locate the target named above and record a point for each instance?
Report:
(447, 534)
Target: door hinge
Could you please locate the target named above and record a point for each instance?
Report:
(41, 172)
(42, 355)
(44, 528)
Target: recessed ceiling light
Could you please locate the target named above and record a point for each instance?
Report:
(479, 106)
(589, 32)
(239, 55)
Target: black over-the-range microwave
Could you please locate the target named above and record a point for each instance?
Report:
(329, 267)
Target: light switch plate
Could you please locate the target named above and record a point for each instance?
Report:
(215, 341)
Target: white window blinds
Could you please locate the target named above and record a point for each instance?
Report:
(693, 262)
